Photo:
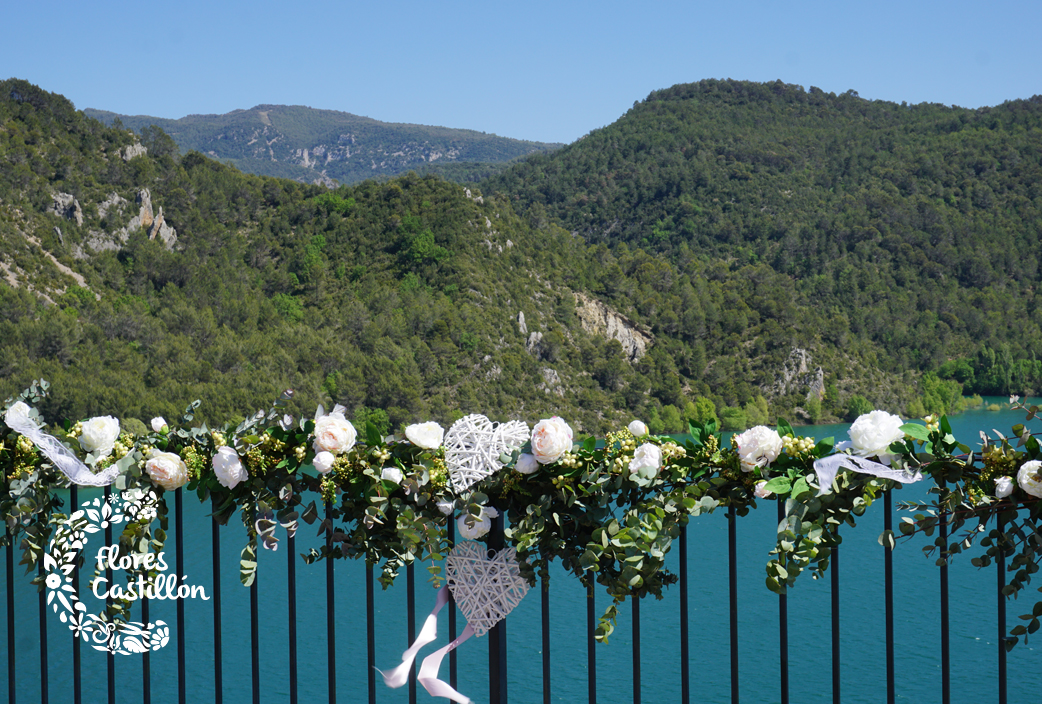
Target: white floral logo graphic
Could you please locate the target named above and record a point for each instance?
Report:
(69, 540)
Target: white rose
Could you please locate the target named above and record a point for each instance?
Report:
(1029, 479)
(99, 435)
(761, 490)
(551, 438)
(18, 414)
(646, 460)
(526, 463)
(758, 447)
(228, 467)
(429, 436)
(334, 433)
(158, 423)
(392, 474)
(167, 470)
(638, 429)
(482, 523)
(446, 507)
(324, 462)
(1003, 487)
(872, 434)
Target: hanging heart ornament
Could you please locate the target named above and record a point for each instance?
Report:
(486, 585)
(474, 444)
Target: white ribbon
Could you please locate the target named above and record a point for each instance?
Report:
(17, 419)
(827, 468)
(428, 675)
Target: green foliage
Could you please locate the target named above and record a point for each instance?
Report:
(733, 419)
(857, 406)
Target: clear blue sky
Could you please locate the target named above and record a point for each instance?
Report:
(548, 71)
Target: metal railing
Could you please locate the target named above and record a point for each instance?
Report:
(497, 642)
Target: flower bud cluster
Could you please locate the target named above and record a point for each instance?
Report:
(76, 430)
(671, 450)
(272, 444)
(797, 446)
(299, 451)
(439, 473)
(569, 460)
(380, 454)
(218, 439)
(933, 423)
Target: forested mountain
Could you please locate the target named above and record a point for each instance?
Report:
(311, 145)
(914, 229)
(137, 279)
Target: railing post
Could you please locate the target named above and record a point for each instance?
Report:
(783, 629)
(291, 606)
(636, 649)
(591, 641)
(110, 657)
(1000, 567)
(218, 666)
(497, 642)
(77, 688)
(888, 589)
(946, 692)
(732, 582)
(180, 558)
(10, 618)
(834, 569)
(544, 595)
(330, 613)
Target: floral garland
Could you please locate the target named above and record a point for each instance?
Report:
(608, 510)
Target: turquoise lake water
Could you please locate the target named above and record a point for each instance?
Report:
(917, 625)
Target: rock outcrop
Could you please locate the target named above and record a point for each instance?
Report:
(598, 319)
(799, 373)
(66, 206)
(132, 151)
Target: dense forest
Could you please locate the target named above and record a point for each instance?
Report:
(915, 228)
(309, 145)
(644, 271)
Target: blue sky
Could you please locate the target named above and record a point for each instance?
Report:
(548, 71)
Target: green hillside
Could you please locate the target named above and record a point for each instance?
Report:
(312, 145)
(913, 229)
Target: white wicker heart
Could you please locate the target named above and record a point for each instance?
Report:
(485, 588)
(473, 446)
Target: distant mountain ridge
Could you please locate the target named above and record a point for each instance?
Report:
(313, 145)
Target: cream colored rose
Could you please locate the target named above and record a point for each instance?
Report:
(872, 434)
(1003, 487)
(99, 435)
(228, 467)
(167, 470)
(1029, 478)
(158, 423)
(758, 447)
(638, 429)
(429, 436)
(482, 523)
(392, 474)
(324, 462)
(646, 461)
(18, 414)
(761, 490)
(334, 433)
(551, 438)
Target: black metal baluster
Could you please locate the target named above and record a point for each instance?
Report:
(888, 587)
(77, 688)
(685, 652)
(180, 558)
(1000, 566)
(545, 599)
(291, 583)
(834, 568)
(497, 635)
(218, 667)
(636, 650)
(452, 613)
(44, 675)
(783, 628)
(732, 578)
(110, 657)
(946, 691)
(330, 612)
(591, 641)
(255, 637)
(146, 659)
(410, 611)
(10, 617)
(370, 631)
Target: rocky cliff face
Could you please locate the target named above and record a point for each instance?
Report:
(799, 374)
(598, 319)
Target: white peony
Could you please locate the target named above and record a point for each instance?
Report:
(761, 490)
(638, 429)
(647, 460)
(429, 436)
(482, 523)
(167, 470)
(334, 433)
(758, 447)
(324, 462)
(158, 424)
(392, 474)
(872, 434)
(446, 507)
(18, 414)
(99, 435)
(551, 438)
(1003, 487)
(1029, 478)
(526, 463)
(228, 467)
